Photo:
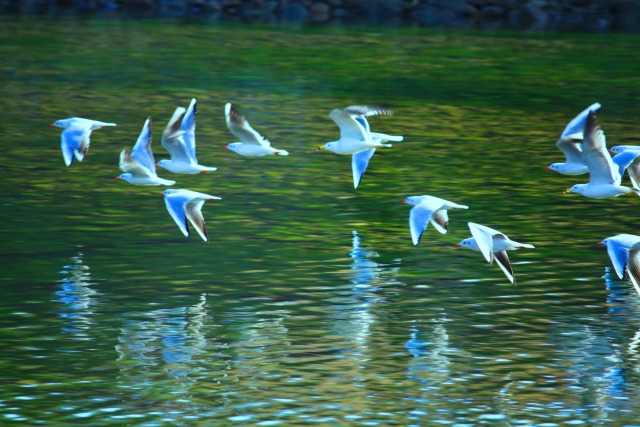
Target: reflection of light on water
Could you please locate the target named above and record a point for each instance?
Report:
(355, 317)
(162, 341)
(430, 350)
(77, 296)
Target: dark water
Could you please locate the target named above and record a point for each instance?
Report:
(310, 305)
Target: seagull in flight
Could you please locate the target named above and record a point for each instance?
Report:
(74, 139)
(138, 165)
(356, 138)
(252, 143)
(186, 205)
(179, 139)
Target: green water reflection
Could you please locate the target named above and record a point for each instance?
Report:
(310, 304)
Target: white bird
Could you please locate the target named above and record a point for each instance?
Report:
(138, 164)
(570, 144)
(604, 175)
(493, 244)
(624, 251)
(429, 209)
(179, 139)
(356, 138)
(74, 140)
(252, 143)
(187, 204)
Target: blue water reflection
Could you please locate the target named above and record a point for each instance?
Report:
(78, 296)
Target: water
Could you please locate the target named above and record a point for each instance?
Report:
(310, 305)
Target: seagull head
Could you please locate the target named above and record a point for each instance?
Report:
(412, 200)
(125, 177)
(233, 146)
(61, 123)
(578, 189)
(329, 146)
(163, 163)
(469, 243)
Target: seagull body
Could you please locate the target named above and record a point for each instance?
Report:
(252, 143)
(356, 138)
(138, 165)
(604, 175)
(74, 140)
(624, 252)
(570, 144)
(179, 139)
(493, 245)
(429, 209)
(186, 205)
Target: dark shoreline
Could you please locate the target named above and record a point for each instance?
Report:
(527, 15)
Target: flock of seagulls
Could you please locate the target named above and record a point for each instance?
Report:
(582, 142)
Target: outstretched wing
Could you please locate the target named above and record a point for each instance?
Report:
(484, 239)
(350, 128)
(176, 208)
(173, 137)
(502, 259)
(359, 163)
(577, 123)
(240, 127)
(594, 148)
(142, 149)
(189, 128)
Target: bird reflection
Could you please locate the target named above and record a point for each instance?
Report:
(355, 306)
(78, 297)
(163, 342)
(430, 350)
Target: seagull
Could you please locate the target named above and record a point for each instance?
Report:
(569, 143)
(604, 175)
(138, 164)
(179, 139)
(356, 138)
(187, 204)
(493, 244)
(624, 251)
(74, 139)
(252, 143)
(429, 209)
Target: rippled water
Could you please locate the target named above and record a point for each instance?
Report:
(310, 305)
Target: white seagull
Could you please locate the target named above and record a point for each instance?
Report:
(624, 251)
(187, 204)
(628, 159)
(74, 140)
(138, 165)
(356, 138)
(252, 143)
(429, 209)
(605, 176)
(493, 244)
(179, 139)
(570, 144)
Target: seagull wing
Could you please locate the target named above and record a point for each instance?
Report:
(571, 150)
(484, 239)
(419, 218)
(440, 221)
(350, 128)
(194, 213)
(176, 206)
(130, 165)
(189, 128)
(173, 137)
(502, 259)
(627, 161)
(633, 266)
(359, 163)
(594, 148)
(364, 110)
(240, 127)
(618, 250)
(577, 123)
(142, 149)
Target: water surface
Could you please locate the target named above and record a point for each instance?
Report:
(310, 304)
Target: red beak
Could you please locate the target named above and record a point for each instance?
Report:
(457, 245)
